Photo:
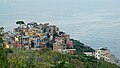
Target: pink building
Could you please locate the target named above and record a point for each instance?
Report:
(66, 36)
(69, 43)
(71, 51)
(59, 40)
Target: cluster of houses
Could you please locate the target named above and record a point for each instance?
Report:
(105, 54)
(33, 35)
(63, 44)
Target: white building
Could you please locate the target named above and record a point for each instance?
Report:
(101, 52)
(89, 53)
(106, 55)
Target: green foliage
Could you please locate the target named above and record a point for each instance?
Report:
(63, 64)
(61, 32)
(49, 44)
(48, 59)
(3, 57)
(1, 40)
(80, 47)
(45, 58)
(28, 58)
(9, 50)
(20, 22)
(2, 28)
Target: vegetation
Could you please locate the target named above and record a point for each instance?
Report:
(2, 28)
(1, 40)
(80, 47)
(1, 31)
(3, 57)
(20, 22)
(46, 58)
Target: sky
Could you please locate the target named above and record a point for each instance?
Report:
(94, 22)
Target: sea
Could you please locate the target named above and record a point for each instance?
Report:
(96, 23)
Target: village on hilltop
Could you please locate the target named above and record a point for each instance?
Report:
(36, 36)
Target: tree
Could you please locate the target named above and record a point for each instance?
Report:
(3, 57)
(1, 29)
(20, 22)
(1, 40)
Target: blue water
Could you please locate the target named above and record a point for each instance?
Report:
(96, 23)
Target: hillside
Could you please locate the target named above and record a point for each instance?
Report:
(80, 47)
(46, 58)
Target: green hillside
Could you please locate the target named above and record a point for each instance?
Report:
(46, 58)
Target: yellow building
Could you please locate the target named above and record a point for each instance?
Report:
(57, 47)
(30, 33)
(16, 39)
(6, 45)
(41, 36)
